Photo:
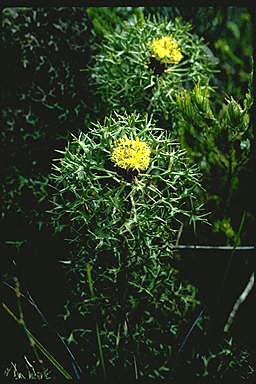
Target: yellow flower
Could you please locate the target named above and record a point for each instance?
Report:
(166, 50)
(131, 154)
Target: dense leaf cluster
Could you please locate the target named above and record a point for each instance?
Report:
(221, 142)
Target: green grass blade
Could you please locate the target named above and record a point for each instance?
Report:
(44, 351)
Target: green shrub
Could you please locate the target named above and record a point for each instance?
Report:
(220, 141)
(42, 93)
(228, 31)
(44, 49)
(127, 77)
(122, 224)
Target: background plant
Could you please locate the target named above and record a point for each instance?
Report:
(108, 19)
(226, 362)
(126, 77)
(221, 142)
(235, 53)
(223, 28)
(42, 96)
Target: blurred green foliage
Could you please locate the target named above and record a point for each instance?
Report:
(109, 19)
(234, 49)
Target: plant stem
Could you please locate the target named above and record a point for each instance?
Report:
(90, 283)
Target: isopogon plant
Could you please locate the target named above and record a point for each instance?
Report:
(141, 67)
(123, 189)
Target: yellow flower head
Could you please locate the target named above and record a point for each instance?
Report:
(131, 154)
(166, 50)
